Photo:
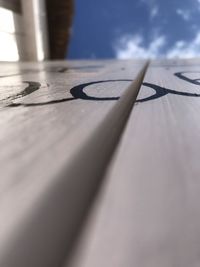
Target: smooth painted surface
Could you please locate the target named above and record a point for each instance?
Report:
(147, 213)
(60, 123)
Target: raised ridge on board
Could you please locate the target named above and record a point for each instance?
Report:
(60, 124)
(147, 212)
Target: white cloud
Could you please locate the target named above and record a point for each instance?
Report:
(198, 2)
(185, 14)
(152, 7)
(183, 49)
(154, 12)
(194, 27)
(132, 47)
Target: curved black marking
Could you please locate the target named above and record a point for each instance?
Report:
(159, 92)
(41, 104)
(162, 91)
(78, 93)
(32, 87)
(181, 76)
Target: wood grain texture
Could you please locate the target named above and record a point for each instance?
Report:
(147, 213)
(60, 14)
(57, 137)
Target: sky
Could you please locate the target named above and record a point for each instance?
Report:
(126, 29)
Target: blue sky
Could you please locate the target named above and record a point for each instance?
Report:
(135, 29)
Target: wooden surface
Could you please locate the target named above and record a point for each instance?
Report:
(147, 212)
(94, 173)
(59, 16)
(60, 124)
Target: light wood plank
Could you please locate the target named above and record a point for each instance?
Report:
(148, 213)
(55, 146)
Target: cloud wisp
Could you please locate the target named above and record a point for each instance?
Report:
(183, 49)
(133, 47)
(154, 12)
(185, 14)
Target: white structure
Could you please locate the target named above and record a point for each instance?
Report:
(24, 35)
